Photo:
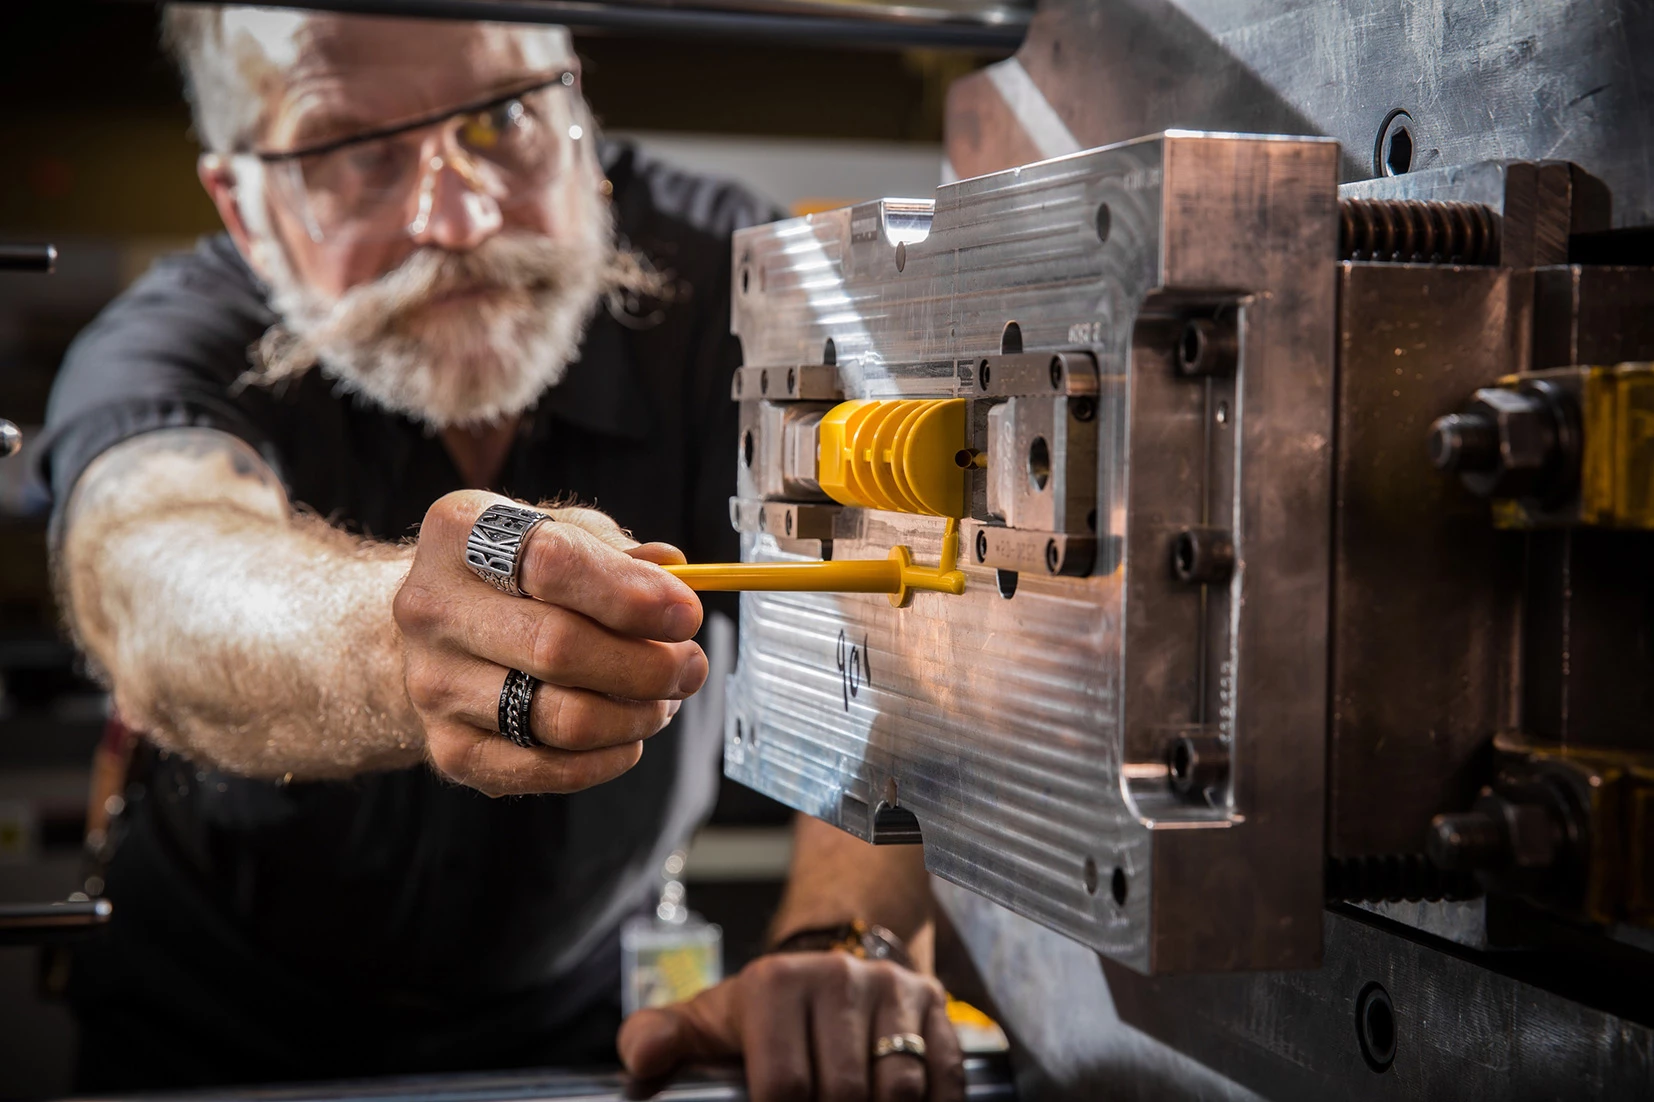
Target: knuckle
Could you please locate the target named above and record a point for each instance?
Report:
(776, 970)
(427, 687)
(415, 608)
(836, 971)
(448, 754)
(886, 979)
(547, 553)
(451, 512)
(552, 643)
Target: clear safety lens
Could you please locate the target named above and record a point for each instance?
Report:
(509, 152)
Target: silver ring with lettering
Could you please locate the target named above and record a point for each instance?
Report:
(493, 550)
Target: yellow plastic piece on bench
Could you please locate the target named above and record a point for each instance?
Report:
(896, 575)
(895, 454)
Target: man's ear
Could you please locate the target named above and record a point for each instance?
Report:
(217, 175)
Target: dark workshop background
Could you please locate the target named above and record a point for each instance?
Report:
(98, 159)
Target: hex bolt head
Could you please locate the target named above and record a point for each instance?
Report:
(1512, 443)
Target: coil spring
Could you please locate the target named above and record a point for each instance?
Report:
(1392, 877)
(1413, 231)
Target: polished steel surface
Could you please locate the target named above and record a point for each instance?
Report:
(1029, 734)
(1477, 81)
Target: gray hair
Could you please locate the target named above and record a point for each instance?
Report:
(218, 58)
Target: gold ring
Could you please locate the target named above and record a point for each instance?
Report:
(902, 1044)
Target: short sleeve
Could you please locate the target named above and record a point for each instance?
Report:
(166, 354)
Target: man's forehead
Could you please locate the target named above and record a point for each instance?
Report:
(379, 70)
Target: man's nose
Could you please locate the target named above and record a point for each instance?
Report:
(453, 213)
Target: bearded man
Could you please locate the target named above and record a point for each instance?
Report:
(285, 573)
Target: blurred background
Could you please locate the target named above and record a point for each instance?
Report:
(99, 160)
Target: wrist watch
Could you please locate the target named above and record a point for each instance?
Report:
(858, 938)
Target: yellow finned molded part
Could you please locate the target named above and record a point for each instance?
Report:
(895, 454)
(877, 454)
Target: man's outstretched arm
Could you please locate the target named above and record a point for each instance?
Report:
(234, 629)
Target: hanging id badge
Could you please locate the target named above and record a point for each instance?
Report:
(672, 955)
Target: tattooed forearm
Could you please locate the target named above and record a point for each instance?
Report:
(227, 626)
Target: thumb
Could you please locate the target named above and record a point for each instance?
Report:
(656, 1042)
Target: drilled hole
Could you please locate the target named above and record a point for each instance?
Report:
(1117, 885)
(1183, 555)
(746, 448)
(1091, 876)
(1105, 218)
(746, 276)
(1182, 762)
(1398, 152)
(829, 353)
(1192, 348)
(1375, 1026)
(1039, 463)
(1006, 582)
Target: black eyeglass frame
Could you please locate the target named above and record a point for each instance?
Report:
(566, 78)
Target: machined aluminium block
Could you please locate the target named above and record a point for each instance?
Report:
(1118, 729)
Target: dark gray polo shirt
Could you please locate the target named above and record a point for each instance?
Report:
(397, 921)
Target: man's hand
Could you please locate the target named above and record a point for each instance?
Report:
(607, 633)
(806, 1024)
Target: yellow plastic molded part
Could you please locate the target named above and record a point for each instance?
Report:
(895, 454)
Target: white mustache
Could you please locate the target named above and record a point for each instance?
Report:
(526, 263)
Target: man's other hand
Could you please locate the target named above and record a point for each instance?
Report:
(806, 1023)
(607, 633)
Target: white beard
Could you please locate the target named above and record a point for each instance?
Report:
(482, 359)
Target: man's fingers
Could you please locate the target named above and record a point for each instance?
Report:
(900, 1007)
(653, 1043)
(773, 1033)
(563, 562)
(495, 766)
(944, 1059)
(553, 644)
(567, 566)
(561, 718)
(840, 1028)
